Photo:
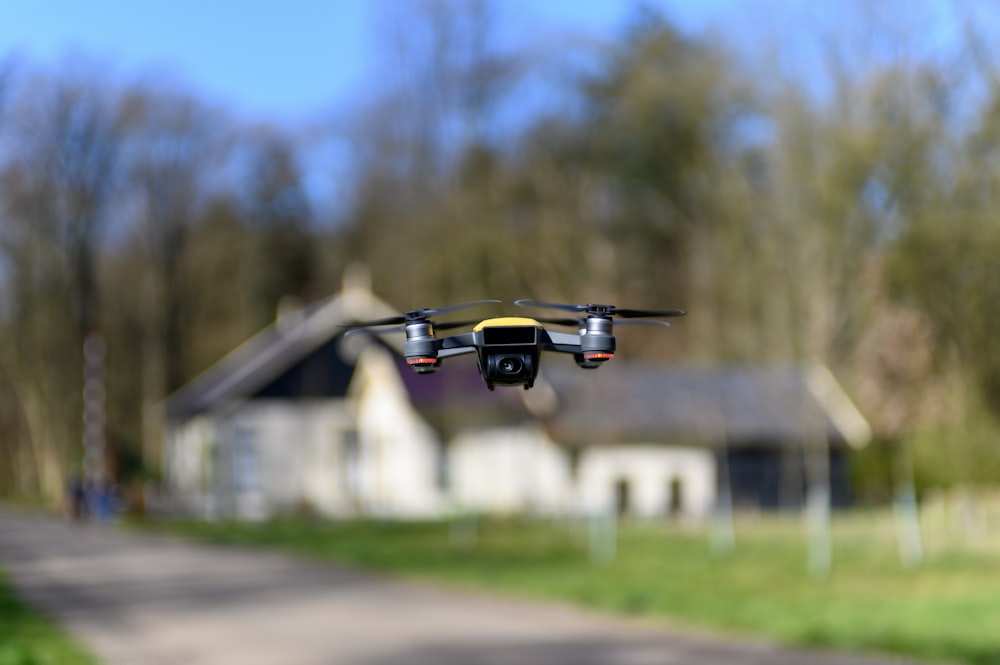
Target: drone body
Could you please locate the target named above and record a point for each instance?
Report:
(509, 348)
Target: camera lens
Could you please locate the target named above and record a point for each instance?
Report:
(510, 365)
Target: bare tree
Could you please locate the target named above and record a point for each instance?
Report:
(272, 198)
(60, 181)
(426, 202)
(174, 157)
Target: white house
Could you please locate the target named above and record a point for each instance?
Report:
(302, 417)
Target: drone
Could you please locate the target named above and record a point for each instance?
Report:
(509, 347)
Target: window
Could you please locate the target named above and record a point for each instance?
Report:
(675, 496)
(246, 472)
(574, 464)
(349, 453)
(622, 497)
(442, 466)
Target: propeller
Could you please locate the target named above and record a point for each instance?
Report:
(577, 323)
(421, 315)
(603, 310)
(447, 325)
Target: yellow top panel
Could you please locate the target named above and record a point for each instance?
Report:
(507, 321)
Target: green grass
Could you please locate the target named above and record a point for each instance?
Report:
(948, 608)
(27, 638)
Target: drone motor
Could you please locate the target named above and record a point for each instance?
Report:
(597, 341)
(420, 350)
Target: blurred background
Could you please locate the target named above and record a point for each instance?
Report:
(814, 184)
(194, 197)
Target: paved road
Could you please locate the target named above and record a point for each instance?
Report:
(143, 600)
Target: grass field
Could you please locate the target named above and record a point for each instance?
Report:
(946, 608)
(26, 638)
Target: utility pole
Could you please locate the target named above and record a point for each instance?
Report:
(94, 402)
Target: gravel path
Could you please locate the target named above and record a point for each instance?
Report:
(147, 600)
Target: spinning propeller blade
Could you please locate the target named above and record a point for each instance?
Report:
(580, 322)
(604, 310)
(374, 323)
(452, 308)
(523, 302)
(420, 315)
(447, 325)
(646, 313)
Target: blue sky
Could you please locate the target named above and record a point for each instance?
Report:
(295, 59)
(301, 63)
(284, 59)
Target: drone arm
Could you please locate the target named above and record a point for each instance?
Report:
(559, 342)
(456, 345)
(457, 351)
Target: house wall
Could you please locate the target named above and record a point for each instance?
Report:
(400, 455)
(371, 453)
(519, 469)
(283, 455)
(332, 456)
(509, 470)
(651, 473)
(261, 457)
(187, 460)
(375, 457)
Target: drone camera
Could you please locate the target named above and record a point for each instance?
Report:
(510, 365)
(503, 368)
(509, 356)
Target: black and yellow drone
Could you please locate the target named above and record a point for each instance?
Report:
(509, 347)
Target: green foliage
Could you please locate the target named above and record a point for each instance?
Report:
(947, 264)
(872, 473)
(960, 453)
(26, 638)
(949, 608)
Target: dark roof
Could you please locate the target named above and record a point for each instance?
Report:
(272, 353)
(701, 404)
